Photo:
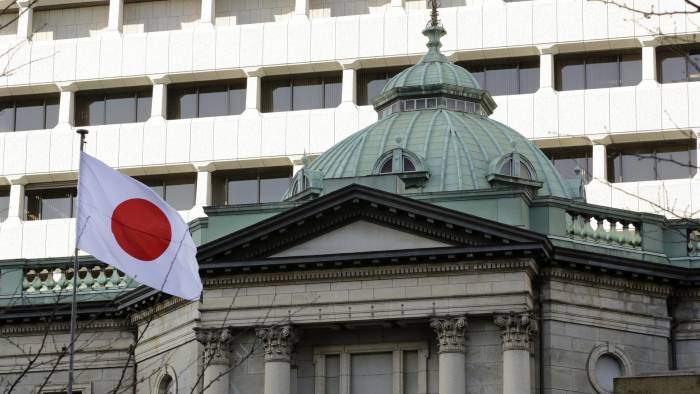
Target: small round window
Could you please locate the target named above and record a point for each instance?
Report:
(607, 368)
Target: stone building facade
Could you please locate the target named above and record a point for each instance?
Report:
(434, 251)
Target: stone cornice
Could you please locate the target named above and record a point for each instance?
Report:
(367, 272)
(160, 308)
(63, 327)
(607, 281)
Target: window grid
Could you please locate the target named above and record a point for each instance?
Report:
(4, 203)
(565, 160)
(84, 101)
(479, 70)
(641, 162)
(62, 201)
(326, 81)
(164, 185)
(686, 53)
(587, 60)
(365, 78)
(276, 176)
(174, 92)
(46, 121)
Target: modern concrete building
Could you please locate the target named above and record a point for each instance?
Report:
(421, 244)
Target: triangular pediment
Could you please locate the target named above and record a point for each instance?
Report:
(358, 224)
(358, 237)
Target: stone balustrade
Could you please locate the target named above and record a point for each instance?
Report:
(603, 229)
(60, 279)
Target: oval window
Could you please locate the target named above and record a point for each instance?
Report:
(607, 368)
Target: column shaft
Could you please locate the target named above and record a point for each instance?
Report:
(349, 88)
(216, 377)
(159, 97)
(208, 14)
(277, 377)
(649, 63)
(599, 166)
(301, 8)
(546, 70)
(452, 375)
(116, 15)
(451, 349)
(66, 106)
(15, 210)
(215, 360)
(516, 372)
(253, 94)
(24, 22)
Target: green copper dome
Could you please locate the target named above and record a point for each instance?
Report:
(435, 134)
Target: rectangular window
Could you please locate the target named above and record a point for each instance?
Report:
(678, 63)
(506, 76)
(178, 190)
(221, 98)
(566, 160)
(28, 113)
(597, 70)
(370, 82)
(300, 92)
(332, 374)
(371, 373)
(50, 203)
(649, 162)
(4, 202)
(250, 186)
(410, 372)
(113, 106)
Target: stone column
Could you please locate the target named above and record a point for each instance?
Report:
(349, 87)
(24, 21)
(15, 210)
(66, 105)
(116, 16)
(216, 363)
(278, 343)
(599, 164)
(649, 62)
(301, 8)
(203, 192)
(518, 337)
(159, 97)
(452, 346)
(547, 70)
(208, 14)
(253, 92)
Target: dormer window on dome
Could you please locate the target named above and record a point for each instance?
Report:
(407, 165)
(513, 169)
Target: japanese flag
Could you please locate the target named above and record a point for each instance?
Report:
(122, 222)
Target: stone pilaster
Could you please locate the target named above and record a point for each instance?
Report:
(452, 345)
(278, 343)
(518, 331)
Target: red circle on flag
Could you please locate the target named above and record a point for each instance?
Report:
(141, 229)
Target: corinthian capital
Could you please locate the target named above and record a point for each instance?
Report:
(450, 333)
(217, 342)
(278, 342)
(517, 330)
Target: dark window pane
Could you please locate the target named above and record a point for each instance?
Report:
(673, 162)
(370, 89)
(182, 103)
(51, 113)
(570, 74)
(272, 190)
(279, 95)
(408, 164)
(694, 66)
(371, 373)
(307, 94)
(29, 115)
(332, 374)
(502, 79)
(672, 67)
(236, 98)
(180, 192)
(386, 167)
(120, 108)
(94, 111)
(637, 165)
(143, 107)
(155, 183)
(7, 116)
(630, 69)
(529, 78)
(410, 372)
(213, 101)
(243, 192)
(50, 204)
(332, 93)
(4, 202)
(478, 74)
(602, 72)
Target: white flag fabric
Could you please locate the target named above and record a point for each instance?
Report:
(124, 223)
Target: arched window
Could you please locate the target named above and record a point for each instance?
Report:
(166, 385)
(515, 165)
(398, 161)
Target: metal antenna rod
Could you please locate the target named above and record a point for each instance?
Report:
(434, 13)
(74, 300)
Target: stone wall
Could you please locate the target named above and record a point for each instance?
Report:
(149, 16)
(64, 23)
(235, 12)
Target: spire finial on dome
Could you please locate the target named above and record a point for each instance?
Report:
(434, 31)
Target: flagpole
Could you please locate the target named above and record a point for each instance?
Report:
(74, 300)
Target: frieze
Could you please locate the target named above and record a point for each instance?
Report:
(618, 283)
